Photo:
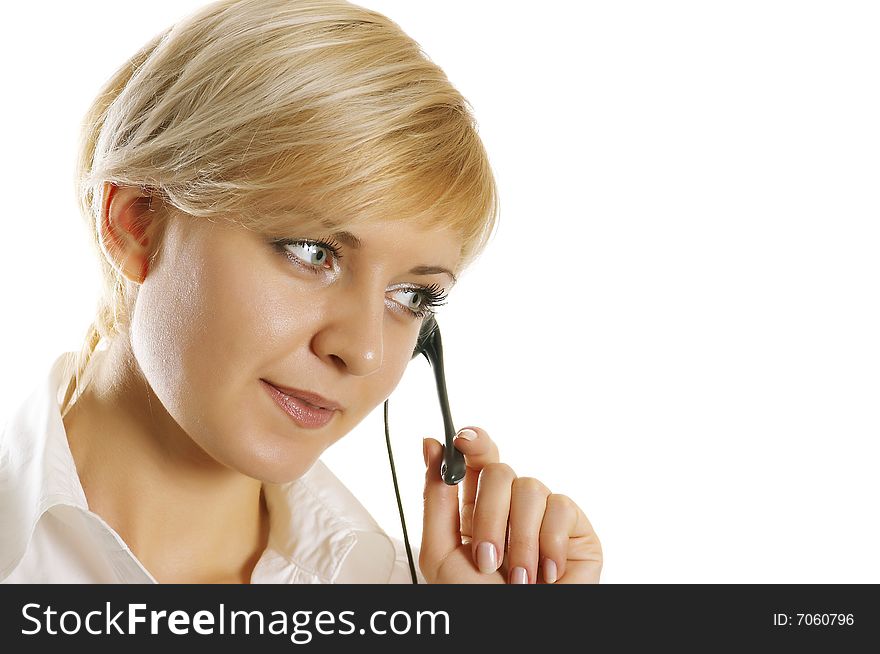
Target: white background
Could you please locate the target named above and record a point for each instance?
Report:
(677, 323)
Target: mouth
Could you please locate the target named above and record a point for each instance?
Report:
(312, 411)
(313, 399)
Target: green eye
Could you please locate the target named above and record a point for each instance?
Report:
(315, 254)
(423, 299)
(312, 255)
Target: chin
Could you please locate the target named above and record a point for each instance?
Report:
(272, 462)
(269, 450)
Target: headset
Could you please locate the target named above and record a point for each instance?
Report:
(453, 468)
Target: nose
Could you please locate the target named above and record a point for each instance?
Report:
(353, 330)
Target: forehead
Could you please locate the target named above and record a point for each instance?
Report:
(376, 234)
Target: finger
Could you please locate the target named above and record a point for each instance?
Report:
(558, 526)
(528, 504)
(491, 513)
(478, 451)
(440, 528)
(583, 562)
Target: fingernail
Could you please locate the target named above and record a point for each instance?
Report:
(487, 561)
(467, 434)
(549, 571)
(519, 576)
(425, 450)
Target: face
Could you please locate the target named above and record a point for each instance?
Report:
(224, 310)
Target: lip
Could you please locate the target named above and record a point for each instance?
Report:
(303, 413)
(312, 398)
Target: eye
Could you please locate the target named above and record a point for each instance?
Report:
(311, 255)
(420, 301)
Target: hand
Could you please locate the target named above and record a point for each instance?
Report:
(518, 516)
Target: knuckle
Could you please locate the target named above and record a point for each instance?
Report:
(501, 470)
(554, 541)
(530, 486)
(523, 544)
(561, 501)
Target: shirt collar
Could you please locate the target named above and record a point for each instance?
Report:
(319, 532)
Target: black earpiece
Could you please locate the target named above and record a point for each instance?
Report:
(430, 344)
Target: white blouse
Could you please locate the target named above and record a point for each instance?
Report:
(318, 531)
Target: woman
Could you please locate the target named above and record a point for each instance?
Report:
(280, 192)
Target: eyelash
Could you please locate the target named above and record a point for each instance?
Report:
(433, 294)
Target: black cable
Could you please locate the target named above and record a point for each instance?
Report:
(412, 567)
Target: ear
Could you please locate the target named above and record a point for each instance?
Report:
(128, 229)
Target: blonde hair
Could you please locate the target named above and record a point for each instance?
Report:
(266, 112)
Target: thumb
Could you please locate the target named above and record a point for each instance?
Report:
(441, 529)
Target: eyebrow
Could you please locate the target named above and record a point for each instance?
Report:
(355, 243)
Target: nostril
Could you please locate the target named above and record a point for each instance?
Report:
(338, 360)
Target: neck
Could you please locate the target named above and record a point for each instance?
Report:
(186, 516)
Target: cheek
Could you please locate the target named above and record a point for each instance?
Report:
(383, 384)
(204, 331)
(195, 322)
(165, 324)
